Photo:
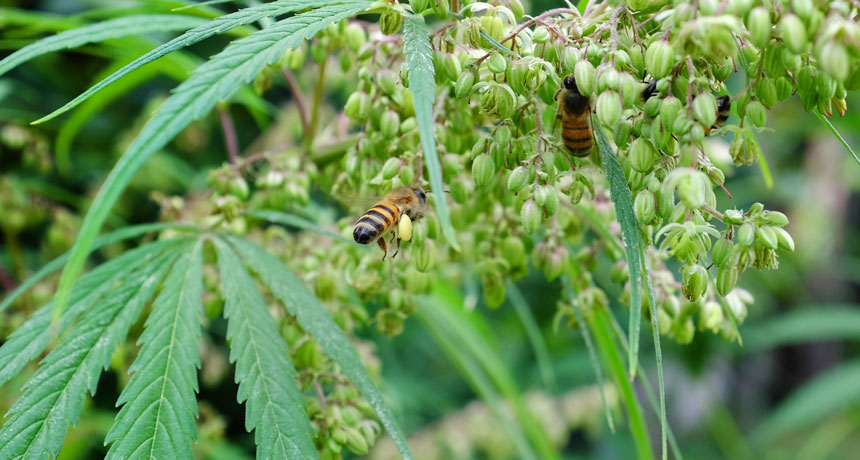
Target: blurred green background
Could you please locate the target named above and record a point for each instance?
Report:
(792, 391)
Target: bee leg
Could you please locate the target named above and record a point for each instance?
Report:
(398, 249)
(383, 246)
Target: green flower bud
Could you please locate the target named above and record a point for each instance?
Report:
(425, 256)
(705, 108)
(389, 124)
(555, 263)
(550, 204)
(607, 78)
(642, 155)
(825, 86)
(497, 63)
(390, 168)
(784, 240)
(727, 278)
(608, 108)
(569, 57)
(355, 442)
(834, 60)
(746, 233)
(483, 170)
(464, 84)
(670, 110)
(390, 21)
(722, 250)
(793, 33)
(784, 87)
(450, 66)
(765, 92)
(694, 282)
(516, 8)
(652, 106)
(358, 107)
(691, 189)
(494, 27)
(629, 88)
(441, 8)
(239, 188)
(767, 237)
(355, 36)
(514, 251)
(540, 35)
(775, 218)
(517, 179)
(419, 5)
(733, 216)
(530, 216)
(583, 74)
(756, 114)
(577, 190)
(802, 8)
(711, 316)
(758, 25)
(645, 207)
(659, 58)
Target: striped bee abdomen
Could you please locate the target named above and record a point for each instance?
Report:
(577, 137)
(375, 222)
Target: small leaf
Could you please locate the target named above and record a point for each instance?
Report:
(215, 80)
(157, 418)
(422, 83)
(124, 233)
(54, 396)
(658, 352)
(498, 45)
(92, 33)
(267, 379)
(630, 235)
(314, 318)
(31, 339)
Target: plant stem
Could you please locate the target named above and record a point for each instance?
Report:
(297, 96)
(311, 133)
(230, 139)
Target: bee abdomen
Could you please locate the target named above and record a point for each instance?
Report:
(577, 137)
(375, 222)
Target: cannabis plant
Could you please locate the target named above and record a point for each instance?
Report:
(460, 98)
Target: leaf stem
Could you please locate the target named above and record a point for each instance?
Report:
(297, 96)
(311, 133)
(230, 138)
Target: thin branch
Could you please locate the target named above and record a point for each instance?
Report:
(713, 212)
(297, 96)
(315, 109)
(230, 138)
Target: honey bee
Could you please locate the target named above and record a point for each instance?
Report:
(724, 106)
(574, 111)
(400, 206)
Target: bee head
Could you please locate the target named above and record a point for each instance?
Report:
(569, 83)
(422, 197)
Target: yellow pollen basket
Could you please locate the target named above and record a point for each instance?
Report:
(404, 228)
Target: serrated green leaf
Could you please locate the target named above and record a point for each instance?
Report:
(623, 201)
(314, 318)
(214, 80)
(294, 221)
(129, 25)
(218, 25)
(100, 242)
(54, 396)
(32, 337)
(658, 352)
(422, 84)
(157, 418)
(274, 408)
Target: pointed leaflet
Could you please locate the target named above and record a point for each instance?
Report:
(630, 235)
(314, 318)
(54, 396)
(157, 420)
(129, 25)
(267, 378)
(655, 332)
(218, 25)
(213, 81)
(102, 241)
(422, 84)
(32, 337)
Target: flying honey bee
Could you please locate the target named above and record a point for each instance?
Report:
(574, 111)
(400, 206)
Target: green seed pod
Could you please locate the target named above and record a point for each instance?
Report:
(355, 36)
(386, 81)
(659, 58)
(357, 106)
(802, 8)
(390, 168)
(834, 60)
(793, 33)
(670, 109)
(767, 237)
(493, 26)
(607, 78)
(389, 124)
(758, 25)
(541, 194)
(682, 125)
(530, 216)
(441, 8)
(419, 5)
(784, 240)
(733, 216)
(705, 108)
(740, 7)
(694, 282)
(765, 92)
(497, 63)
(727, 278)
(514, 251)
(577, 190)
(622, 132)
(517, 179)
(642, 155)
(516, 8)
(483, 170)
(569, 57)
(239, 188)
(407, 175)
(540, 35)
(608, 108)
(775, 218)
(390, 21)
(629, 88)
(665, 203)
(583, 74)
(697, 134)
(653, 106)
(722, 250)
(806, 80)
(784, 87)
(555, 263)
(691, 189)
(550, 204)
(645, 207)
(425, 256)
(756, 114)
(464, 84)
(825, 86)
(746, 233)
(450, 66)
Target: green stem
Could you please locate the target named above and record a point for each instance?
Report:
(315, 108)
(602, 330)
